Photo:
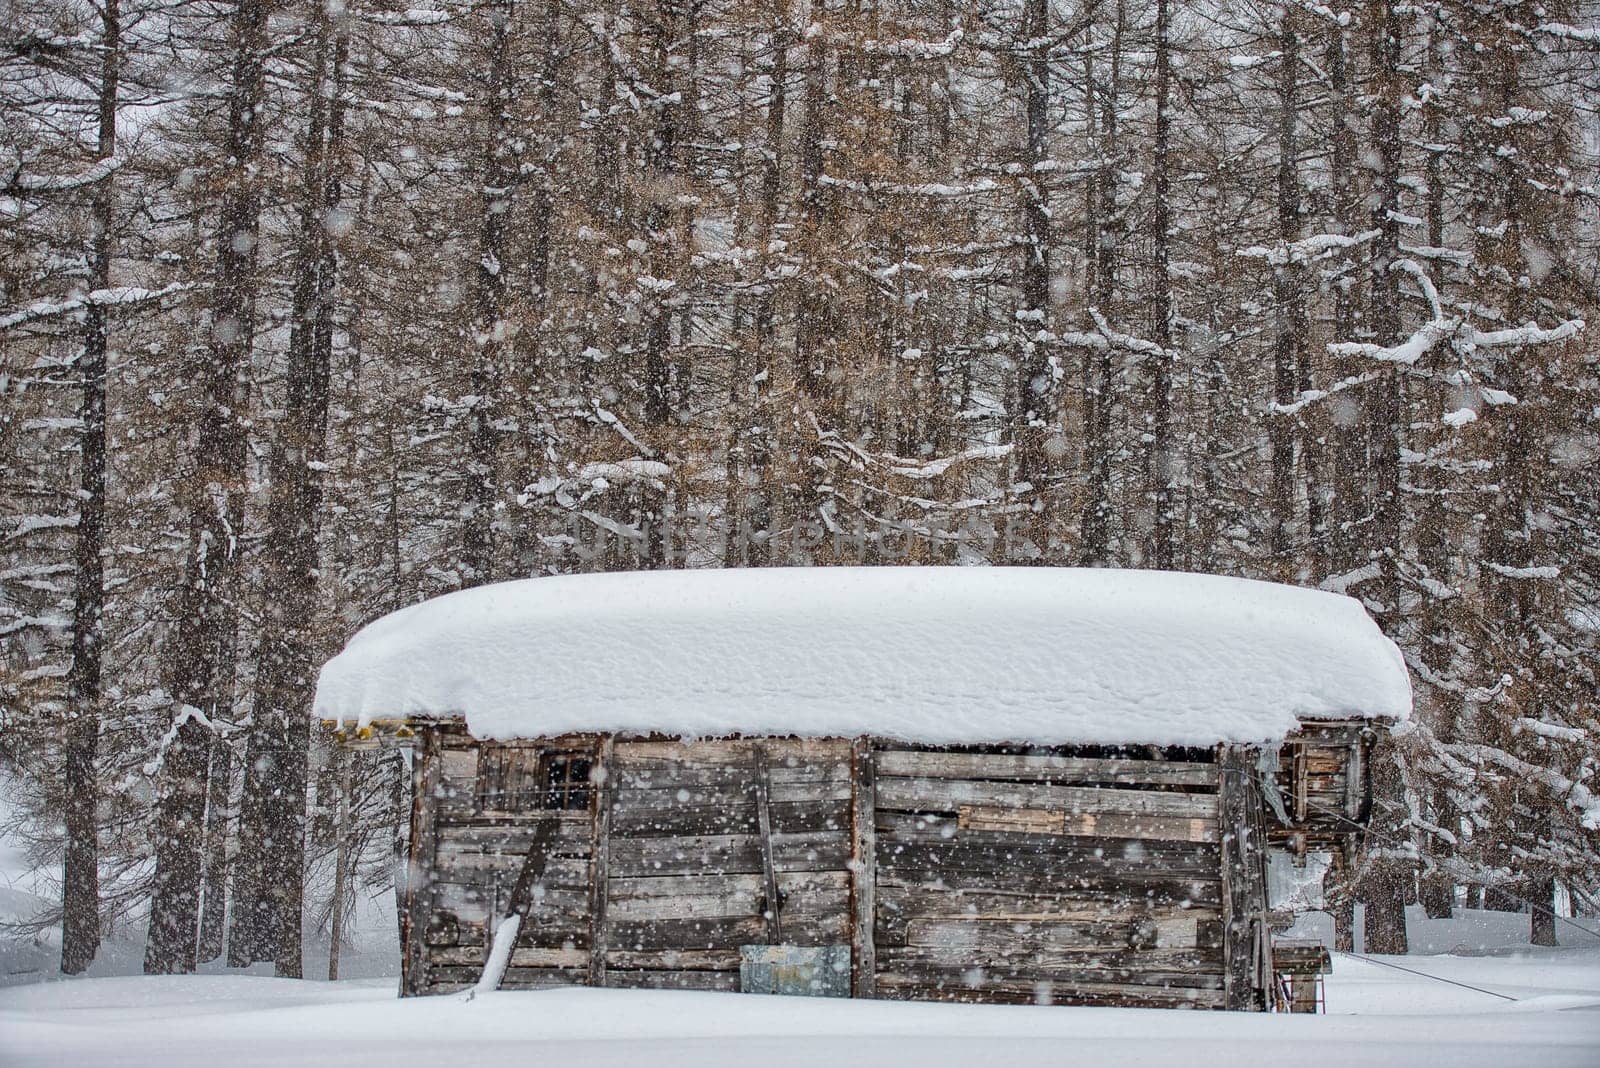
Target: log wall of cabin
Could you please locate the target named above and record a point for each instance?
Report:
(1022, 878)
(464, 871)
(657, 884)
(969, 876)
(688, 876)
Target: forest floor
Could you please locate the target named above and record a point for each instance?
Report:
(1376, 1016)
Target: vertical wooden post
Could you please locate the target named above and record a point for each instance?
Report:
(341, 864)
(864, 869)
(1355, 780)
(605, 780)
(1243, 879)
(1302, 778)
(420, 863)
(773, 903)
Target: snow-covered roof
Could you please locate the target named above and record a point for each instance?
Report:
(942, 655)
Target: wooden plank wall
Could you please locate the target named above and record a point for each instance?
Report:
(687, 878)
(474, 865)
(953, 875)
(1017, 878)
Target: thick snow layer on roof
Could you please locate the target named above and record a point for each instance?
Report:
(937, 655)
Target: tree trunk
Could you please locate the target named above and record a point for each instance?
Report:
(214, 879)
(1102, 102)
(813, 332)
(497, 172)
(172, 941)
(1034, 407)
(1162, 465)
(666, 237)
(1383, 887)
(751, 536)
(206, 634)
(1349, 466)
(80, 873)
(1341, 899)
(280, 733)
(341, 867)
(1289, 313)
(1384, 890)
(1541, 921)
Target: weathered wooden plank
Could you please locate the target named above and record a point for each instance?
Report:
(794, 885)
(1145, 832)
(1122, 931)
(674, 980)
(1012, 820)
(571, 831)
(901, 907)
(724, 933)
(863, 869)
(1059, 992)
(537, 931)
(736, 752)
(710, 897)
(1321, 760)
(636, 775)
(458, 766)
(1162, 968)
(521, 957)
(733, 854)
(456, 977)
(1022, 855)
(1056, 903)
(1151, 886)
(1298, 773)
(689, 960)
(1355, 782)
(948, 795)
(724, 795)
(470, 865)
(605, 780)
(1059, 770)
(788, 817)
(1084, 825)
(470, 893)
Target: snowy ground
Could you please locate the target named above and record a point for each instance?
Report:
(1377, 1016)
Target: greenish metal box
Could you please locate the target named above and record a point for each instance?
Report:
(805, 971)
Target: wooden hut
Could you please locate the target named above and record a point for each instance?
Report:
(1001, 785)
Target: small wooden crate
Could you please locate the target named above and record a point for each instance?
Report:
(1300, 964)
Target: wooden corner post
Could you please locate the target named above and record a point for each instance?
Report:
(863, 869)
(420, 860)
(604, 775)
(1246, 973)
